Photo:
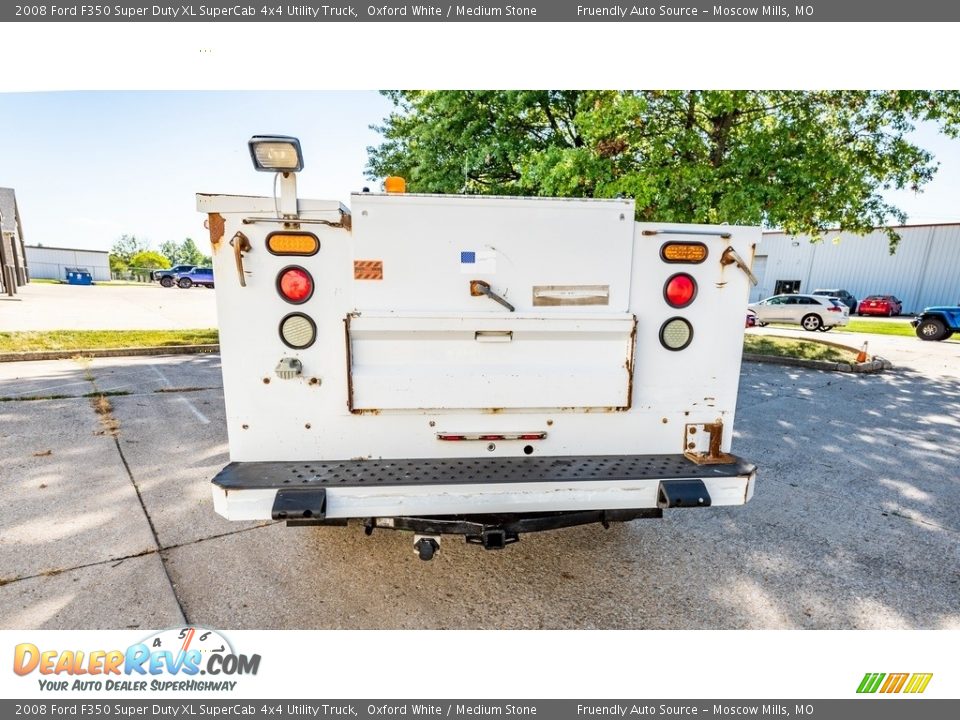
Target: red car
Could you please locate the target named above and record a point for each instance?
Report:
(886, 305)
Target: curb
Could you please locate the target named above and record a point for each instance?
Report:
(877, 365)
(109, 352)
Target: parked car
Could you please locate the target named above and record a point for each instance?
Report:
(846, 298)
(937, 323)
(196, 276)
(168, 277)
(811, 312)
(886, 305)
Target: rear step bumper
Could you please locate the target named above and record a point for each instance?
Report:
(319, 491)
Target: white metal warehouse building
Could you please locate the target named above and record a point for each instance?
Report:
(49, 262)
(924, 271)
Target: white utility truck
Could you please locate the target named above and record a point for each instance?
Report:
(473, 365)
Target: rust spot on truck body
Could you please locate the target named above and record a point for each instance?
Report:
(215, 224)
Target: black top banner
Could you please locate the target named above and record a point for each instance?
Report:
(492, 11)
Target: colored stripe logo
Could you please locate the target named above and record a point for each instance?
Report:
(368, 270)
(913, 683)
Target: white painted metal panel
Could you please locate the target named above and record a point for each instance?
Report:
(432, 246)
(478, 361)
(273, 419)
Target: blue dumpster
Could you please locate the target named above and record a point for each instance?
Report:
(78, 276)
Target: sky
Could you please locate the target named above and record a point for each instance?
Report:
(88, 167)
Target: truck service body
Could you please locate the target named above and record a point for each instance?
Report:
(472, 364)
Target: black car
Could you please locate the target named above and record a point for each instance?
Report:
(168, 277)
(842, 295)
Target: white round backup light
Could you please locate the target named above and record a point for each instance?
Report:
(676, 333)
(298, 331)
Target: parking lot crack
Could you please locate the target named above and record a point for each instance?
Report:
(119, 559)
(153, 528)
(110, 425)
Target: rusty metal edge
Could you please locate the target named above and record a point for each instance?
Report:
(109, 352)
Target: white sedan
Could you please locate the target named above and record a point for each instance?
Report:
(811, 312)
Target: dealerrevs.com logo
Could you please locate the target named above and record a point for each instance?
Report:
(912, 683)
(170, 660)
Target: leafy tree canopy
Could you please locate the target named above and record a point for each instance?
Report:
(185, 253)
(149, 259)
(803, 161)
(127, 246)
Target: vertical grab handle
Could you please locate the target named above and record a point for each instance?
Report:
(241, 244)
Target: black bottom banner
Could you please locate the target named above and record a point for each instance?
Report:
(875, 708)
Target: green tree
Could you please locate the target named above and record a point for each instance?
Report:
(128, 246)
(190, 254)
(117, 264)
(149, 259)
(171, 251)
(804, 161)
(185, 253)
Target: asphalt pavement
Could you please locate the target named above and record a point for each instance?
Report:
(107, 520)
(146, 306)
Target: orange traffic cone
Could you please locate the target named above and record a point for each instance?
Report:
(862, 355)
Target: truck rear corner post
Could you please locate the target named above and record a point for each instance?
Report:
(472, 365)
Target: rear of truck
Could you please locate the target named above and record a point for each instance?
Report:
(476, 365)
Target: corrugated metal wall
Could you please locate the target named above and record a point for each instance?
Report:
(48, 262)
(924, 271)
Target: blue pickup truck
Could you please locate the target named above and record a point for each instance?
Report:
(937, 323)
(196, 276)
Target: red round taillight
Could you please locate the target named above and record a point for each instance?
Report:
(295, 285)
(680, 290)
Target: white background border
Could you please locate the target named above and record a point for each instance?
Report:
(314, 56)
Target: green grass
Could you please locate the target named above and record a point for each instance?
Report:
(806, 349)
(79, 340)
(97, 283)
(879, 327)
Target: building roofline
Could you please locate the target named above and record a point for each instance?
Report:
(881, 227)
(52, 247)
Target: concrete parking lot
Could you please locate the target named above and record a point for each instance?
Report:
(147, 306)
(107, 520)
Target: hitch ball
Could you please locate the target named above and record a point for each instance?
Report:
(426, 546)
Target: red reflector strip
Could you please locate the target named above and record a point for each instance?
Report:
(491, 436)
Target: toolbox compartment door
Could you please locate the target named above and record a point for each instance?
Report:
(487, 362)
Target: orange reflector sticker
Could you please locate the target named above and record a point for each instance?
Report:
(683, 252)
(284, 243)
(368, 269)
